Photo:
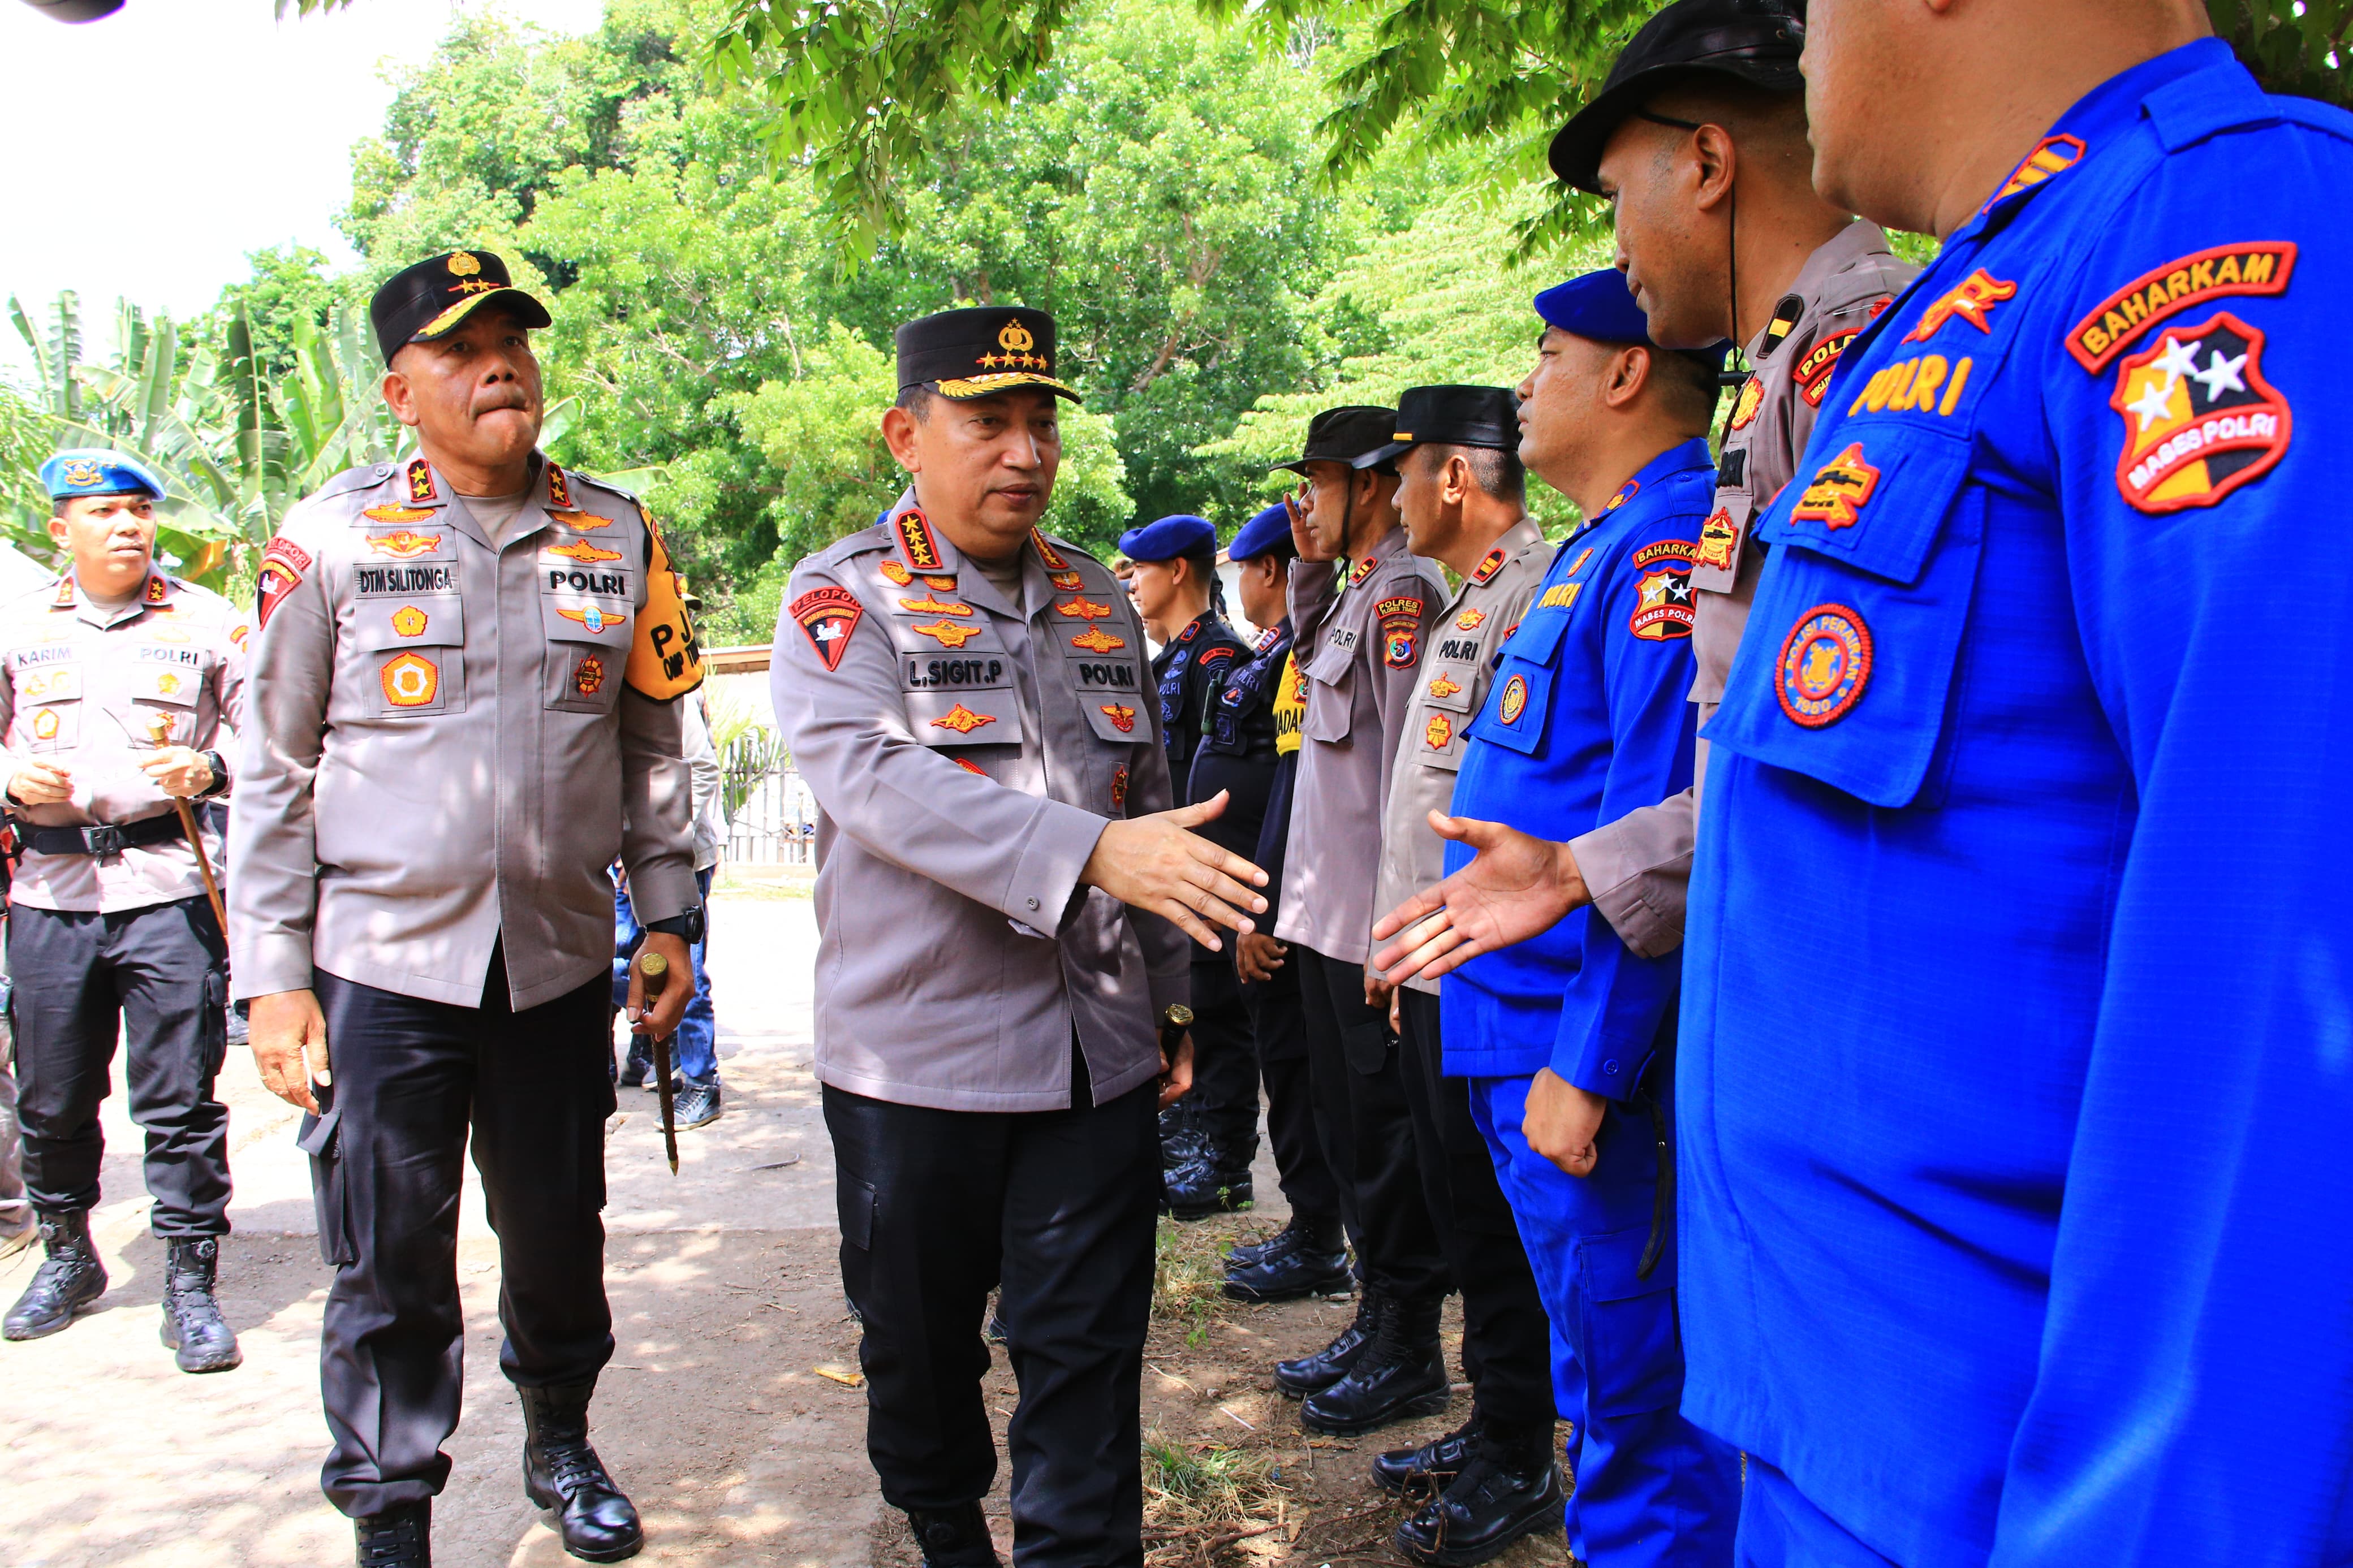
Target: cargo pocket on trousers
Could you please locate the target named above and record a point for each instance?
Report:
(1633, 1352)
(857, 1202)
(321, 1139)
(216, 1026)
(1366, 1046)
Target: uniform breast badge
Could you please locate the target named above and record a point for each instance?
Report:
(1839, 490)
(827, 616)
(1438, 732)
(1825, 664)
(411, 680)
(1121, 717)
(1513, 700)
(963, 720)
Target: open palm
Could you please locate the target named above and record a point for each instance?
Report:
(1516, 886)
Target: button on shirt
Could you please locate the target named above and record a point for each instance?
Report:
(2014, 1080)
(82, 687)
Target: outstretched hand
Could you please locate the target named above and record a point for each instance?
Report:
(1515, 886)
(1159, 865)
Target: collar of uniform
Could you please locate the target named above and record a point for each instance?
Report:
(1391, 543)
(1849, 245)
(1675, 459)
(1508, 546)
(971, 581)
(158, 590)
(536, 500)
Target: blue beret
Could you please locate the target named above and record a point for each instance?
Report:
(1168, 538)
(1600, 306)
(96, 471)
(1270, 530)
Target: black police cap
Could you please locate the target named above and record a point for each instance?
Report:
(1357, 435)
(1455, 417)
(980, 351)
(1755, 41)
(419, 303)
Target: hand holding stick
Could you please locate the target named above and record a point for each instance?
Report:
(159, 730)
(654, 970)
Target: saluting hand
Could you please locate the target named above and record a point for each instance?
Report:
(1516, 887)
(289, 1045)
(1155, 864)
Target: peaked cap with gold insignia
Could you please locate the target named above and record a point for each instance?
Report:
(419, 303)
(980, 351)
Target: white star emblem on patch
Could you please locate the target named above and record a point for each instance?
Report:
(2155, 405)
(2220, 375)
(2177, 360)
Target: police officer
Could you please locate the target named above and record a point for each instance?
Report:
(2064, 1092)
(1003, 900)
(465, 709)
(1363, 630)
(1252, 749)
(116, 684)
(1462, 495)
(1210, 1136)
(1587, 719)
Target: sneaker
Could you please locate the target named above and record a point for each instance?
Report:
(696, 1104)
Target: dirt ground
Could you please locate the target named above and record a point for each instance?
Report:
(718, 1413)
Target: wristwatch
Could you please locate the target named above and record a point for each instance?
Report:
(217, 765)
(689, 926)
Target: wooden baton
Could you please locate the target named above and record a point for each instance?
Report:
(159, 730)
(654, 970)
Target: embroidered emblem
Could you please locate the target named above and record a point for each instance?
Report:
(1513, 700)
(948, 634)
(2051, 155)
(1189, 633)
(167, 684)
(944, 584)
(44, 724)
(827, 616)
(915, 542)
(1119, 787)
(897, 574)
(1751, 399)
(283, 562)
(928, 605)
(1083, 609)
(81, 474)
(1663, 549)
(968, 765)
(1626, 492)
(1401, 643)
(1442, 687)
(586, 522)
(156, 590)
(1046, 553)
(64, 598)
(2196, 431)
(1578, 565)
(1470, 620)
(1066, 582)
(1825, 664)
(420, 480)
(1813, 372)
(1662, 606)
(1716, 538)
(1910, 387)
(461, 265)
(1364, 569)
(559, 492)
(238, 636)
(963, 720)
(583, 552)
(1971, 300)
(411, 680)
(595, 617)
(1405, 605)
(163, 633)
(398, 514)
(1438, 733)
(406, 545)
(1839, 489)
(1561, 596)
(1123, 718)
(408, 621)
(1489, 565)
(1094, 639)
(2167, 291)
(589, 679)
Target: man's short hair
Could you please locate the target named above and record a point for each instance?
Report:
(916, 399)
(1494, 469)
(1688, 380)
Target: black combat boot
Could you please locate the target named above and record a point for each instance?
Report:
(1401, 1374)
(1509, 1488)
(192, 1325)
(70, 1278)
(1311, 1374)
(1180, 1137)
(954, 1537)
(1207, 1184)
(1242, 1254)
(562, 1472)
(1306, 1257)
(399, 1537)
(1430, 1468)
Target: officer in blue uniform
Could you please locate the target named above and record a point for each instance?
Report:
(2015, 1080)
(1586, 719)
(1209, 1137)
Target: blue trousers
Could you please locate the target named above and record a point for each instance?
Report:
(1652, 1490)
(1779, 1528)
(695, 1051)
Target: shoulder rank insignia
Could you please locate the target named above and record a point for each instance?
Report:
(1066, 582)
(897, 574)
(1786, 316)
(1121, 717)
(595, 617)
(928, 605)
(1632, 488)
(1836, 495)
(1825, 664)
(963, 720)
(1083, 609)
(583, 552)
(1097, 640)
(157, 589)
(1971, 299)
(2195, 432)
(407, 543)
(827, 616)
(585, 522)
(1579, 564)
(1489, 564)
(913, 531)
(1364, 570)
(2166, 292)
(1052, 558)
(420, 480)
(398, 514)
(559, 493)
(2051, 155)
(948, 634)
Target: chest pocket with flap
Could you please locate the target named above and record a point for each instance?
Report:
(413, 651)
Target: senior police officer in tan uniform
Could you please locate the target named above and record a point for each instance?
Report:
(1002, 905)
(465, 707)
(116, 684)
(1363, 637)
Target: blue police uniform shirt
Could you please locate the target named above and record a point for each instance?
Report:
(2017, 1072)
(1587, 719)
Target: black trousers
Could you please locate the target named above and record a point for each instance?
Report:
(160, 976)
(1367, 1130)
(1224, 1100)
(1057, 1208)
(1280, 1036)
(413, 1079)
(1506, 1339)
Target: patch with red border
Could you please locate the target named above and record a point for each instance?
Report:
(827, 616)
(1825, 664)
(2200, 419)
(2163, 292)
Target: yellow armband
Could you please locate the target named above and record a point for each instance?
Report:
(666, 658)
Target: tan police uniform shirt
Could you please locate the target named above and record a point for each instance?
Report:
(967, 748)
(1638, 868)
(1363, 657)
(450, 741)
(81, 688)
(1466, 645)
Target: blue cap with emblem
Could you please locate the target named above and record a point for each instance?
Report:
(1168, 538)
(1270, 530)
(1600, 306)
(97, 471)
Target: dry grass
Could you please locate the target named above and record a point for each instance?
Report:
(1202, 1499)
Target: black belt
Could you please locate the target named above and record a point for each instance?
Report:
(101, 837)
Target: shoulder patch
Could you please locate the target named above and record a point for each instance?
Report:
(1403, 605)
(827, 616)
(283, 562)
(1662, 600)
(1813, 372)
(2193, 434)
(2162, 292)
